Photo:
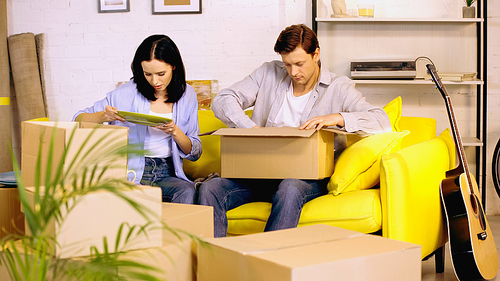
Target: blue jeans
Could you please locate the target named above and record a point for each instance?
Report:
(160, 172)
(287, 198)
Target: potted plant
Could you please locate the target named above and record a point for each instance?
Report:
(469, 11)
(30, 255)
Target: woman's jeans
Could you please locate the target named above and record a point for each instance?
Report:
(287, 198)
(160, 172)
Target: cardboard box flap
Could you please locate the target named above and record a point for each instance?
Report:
(284, 239)
(265, 132)
(332, 251)
(274, 132)
(342, 131)
(90, 125)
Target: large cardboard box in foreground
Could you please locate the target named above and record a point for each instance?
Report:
(277, 152)
(317, 252)
(37, 133)
(194, 219)
(100, 214)
(11, 217)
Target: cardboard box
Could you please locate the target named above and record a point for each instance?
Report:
(11, 217)
(194, 219)
(176, 259)
(39, 133)
(100, 214)
(277, 152)
(317, 252)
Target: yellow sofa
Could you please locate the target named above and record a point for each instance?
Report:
(405, 205)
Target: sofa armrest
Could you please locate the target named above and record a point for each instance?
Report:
(410, 194)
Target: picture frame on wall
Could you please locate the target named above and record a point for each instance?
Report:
(176, 6)
(113, 6)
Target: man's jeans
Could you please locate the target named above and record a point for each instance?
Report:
(287, 198)
(160, 172)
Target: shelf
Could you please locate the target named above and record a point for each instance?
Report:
(416, 82)
(443, 20)
(471, 142)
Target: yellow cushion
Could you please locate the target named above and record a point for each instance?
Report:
(421, 129)
(248, 218)
(209, 161)
(339, 211)
(358, 167)
(409, 188)
(393, 110)
(331, 210)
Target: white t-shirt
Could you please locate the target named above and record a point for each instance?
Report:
(157, 142)
(291, 109)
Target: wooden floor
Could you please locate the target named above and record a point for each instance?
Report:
(428, 268)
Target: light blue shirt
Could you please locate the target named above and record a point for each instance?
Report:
(184, 113)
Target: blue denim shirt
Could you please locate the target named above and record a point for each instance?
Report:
(184, 113)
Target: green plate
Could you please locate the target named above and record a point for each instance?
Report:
(143, 119)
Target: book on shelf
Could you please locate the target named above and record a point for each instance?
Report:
(458, 76)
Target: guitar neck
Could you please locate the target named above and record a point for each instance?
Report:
(456, 137)
(454, 127)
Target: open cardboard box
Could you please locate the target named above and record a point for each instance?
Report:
(280, 152)
(100, 214)
(39, 133)
(317, 252)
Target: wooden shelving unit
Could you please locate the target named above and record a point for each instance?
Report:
(455, 44)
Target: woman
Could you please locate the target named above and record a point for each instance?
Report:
(158, 87)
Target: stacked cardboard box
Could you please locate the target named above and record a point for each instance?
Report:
(38, 134)
(176, 253)
(11, 217)
(100, 214)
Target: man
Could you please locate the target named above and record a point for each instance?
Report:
(294, 92)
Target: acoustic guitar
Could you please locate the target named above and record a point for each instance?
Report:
(472, 247)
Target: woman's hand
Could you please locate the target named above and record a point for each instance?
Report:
(111, 114)
(324, 121)
(178, 135)
(169, 128)
(108, 114)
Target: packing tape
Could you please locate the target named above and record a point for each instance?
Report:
(4, 101)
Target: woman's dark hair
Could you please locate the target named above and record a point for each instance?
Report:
(294, 36)
(162, 48)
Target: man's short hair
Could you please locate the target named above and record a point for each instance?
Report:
(298, 35)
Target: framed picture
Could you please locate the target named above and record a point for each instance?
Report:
(176, 6)
(113, 6)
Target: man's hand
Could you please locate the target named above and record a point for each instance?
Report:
(323, 121)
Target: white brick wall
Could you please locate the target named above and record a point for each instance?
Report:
(87, 53)
(493, 203)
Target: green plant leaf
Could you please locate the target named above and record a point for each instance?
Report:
(65, 182)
